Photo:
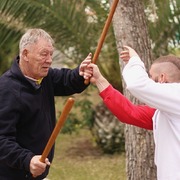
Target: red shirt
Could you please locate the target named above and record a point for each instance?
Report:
(125, 111)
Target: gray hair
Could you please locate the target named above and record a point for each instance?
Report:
(32, 36)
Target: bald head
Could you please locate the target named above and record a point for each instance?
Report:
(166, 69)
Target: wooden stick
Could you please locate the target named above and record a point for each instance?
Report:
(57, 128)
(103, 34)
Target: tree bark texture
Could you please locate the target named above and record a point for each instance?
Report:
(130, 29)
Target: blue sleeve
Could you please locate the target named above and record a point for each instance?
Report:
(66, 81)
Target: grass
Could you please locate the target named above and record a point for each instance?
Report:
(78, 158)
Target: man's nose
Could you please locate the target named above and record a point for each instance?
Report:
(49, 58)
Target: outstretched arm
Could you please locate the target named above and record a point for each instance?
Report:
(146, 89)
(119, 105)
(126, 111)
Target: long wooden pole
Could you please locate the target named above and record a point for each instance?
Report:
(57, 128)
(103, 34)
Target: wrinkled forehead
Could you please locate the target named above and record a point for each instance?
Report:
(34, 36)
(42, 45)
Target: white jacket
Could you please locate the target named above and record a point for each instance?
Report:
(165, 98)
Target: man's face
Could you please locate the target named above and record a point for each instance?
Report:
(39, 58)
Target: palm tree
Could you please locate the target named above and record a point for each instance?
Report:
(76, 27)
(66, 21)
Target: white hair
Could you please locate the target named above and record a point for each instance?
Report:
(32, 36)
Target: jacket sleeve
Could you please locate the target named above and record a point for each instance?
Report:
(66, 81)
(11, 153)
(162, 96)
(125, 111)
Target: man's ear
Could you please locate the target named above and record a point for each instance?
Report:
(25, 54)
(163, 78)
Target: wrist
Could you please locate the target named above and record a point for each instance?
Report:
(101, 83)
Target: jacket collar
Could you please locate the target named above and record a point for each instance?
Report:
(16, 71)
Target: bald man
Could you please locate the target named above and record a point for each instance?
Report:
(165, 69)
(160, 90)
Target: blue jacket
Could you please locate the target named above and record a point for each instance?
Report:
(27, 116)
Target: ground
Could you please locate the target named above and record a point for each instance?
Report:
(77, 157)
